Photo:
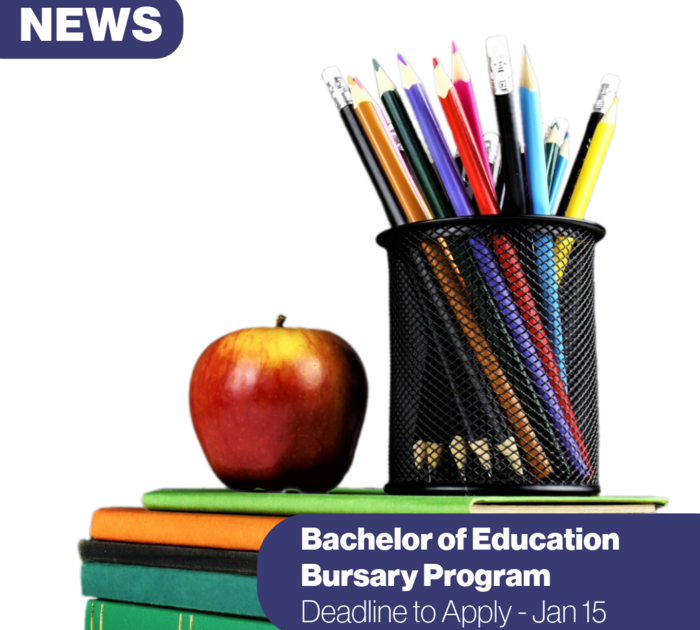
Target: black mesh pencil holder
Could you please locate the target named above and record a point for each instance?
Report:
(493, 360)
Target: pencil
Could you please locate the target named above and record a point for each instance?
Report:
(448, 332)
(562, 161)
(437, 145)
(523, 342)
(391, 132)
(552, 147)
(592, 164)
(506, 253)
(342, 97)
(532, 132)
(586, 183)
(458, 298)
(607, 93)
(501, 75)
(409, 197)
(415, 153)
(539, 201)
(463, 86)
(477, 169)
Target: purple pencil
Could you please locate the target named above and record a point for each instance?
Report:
(437, 145)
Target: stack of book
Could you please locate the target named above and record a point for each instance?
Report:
(152, 569)
(188, 558)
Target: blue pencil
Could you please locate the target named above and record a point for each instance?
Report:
(532, 131)
(437, 145)
(562, 162)
(539, 201)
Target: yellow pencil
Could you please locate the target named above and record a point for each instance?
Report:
(592, 164)
(586, 183)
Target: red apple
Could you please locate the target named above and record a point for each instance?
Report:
(278, 408)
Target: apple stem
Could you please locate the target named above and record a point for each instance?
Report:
(280, 321)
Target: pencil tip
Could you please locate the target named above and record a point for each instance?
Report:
(351, 81)
(436, 63)
(527, 76)
(402, 60)
(454, 47)
(359, 84)
(375, 63)
(611, 114)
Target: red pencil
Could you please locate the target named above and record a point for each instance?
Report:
(466, 144)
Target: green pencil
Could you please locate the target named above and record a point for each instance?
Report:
(551, 153)
(414, 152)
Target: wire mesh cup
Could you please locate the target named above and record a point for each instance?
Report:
(493, 361)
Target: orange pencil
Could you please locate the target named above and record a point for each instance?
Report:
(466, 143)
(411, 201)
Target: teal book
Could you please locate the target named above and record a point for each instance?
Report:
(347, 501)
(106, 615)
(225, 593)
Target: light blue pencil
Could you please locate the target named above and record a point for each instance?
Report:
(562, 162)
(532, 131)
(531, 112)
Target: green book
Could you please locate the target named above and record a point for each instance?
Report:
(347, 501)
(105, 615)
(197, 590)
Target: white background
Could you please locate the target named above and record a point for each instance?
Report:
(149, 207)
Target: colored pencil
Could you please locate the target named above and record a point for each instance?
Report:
(501, 75)
(532, 132)
(476, 275)
(592, 164)
(394, 140)
(523, 342)
(477, 170)
(449, 332)
(607, 93)
(445, 164)
(563, 125)
(410, 199)
(586, 183)
(552, 147)
(463, 85)
(415, 153)
(342, 97)
(549, 290)
(562, 161)
(460, 301)
(520, 289)
(539, 202)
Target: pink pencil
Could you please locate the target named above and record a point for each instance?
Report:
(463, 84)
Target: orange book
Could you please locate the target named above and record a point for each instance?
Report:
(220, 531)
